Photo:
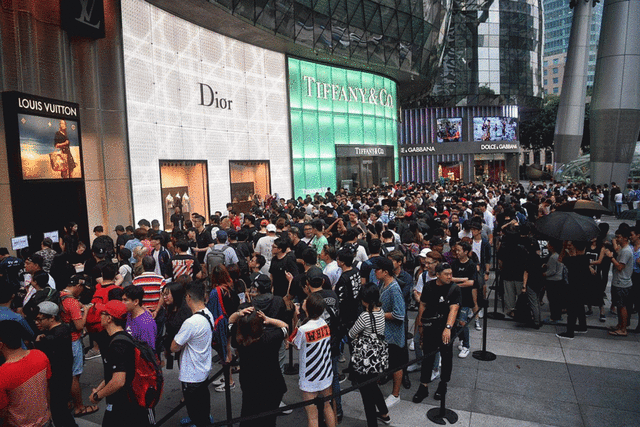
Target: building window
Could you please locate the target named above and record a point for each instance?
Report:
(555, 80)
(544, 72)
(555, 71)
(544, 82)
(556, 90)
(546, 63)
(184, 185)
(555, 61)
(249, 179)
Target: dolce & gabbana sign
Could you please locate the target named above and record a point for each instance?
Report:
(459, 148)
(336, 92)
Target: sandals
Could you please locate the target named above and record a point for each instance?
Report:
(617, 333)
(86, 410)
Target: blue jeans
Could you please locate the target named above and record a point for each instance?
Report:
(464, 315)
(335, 386)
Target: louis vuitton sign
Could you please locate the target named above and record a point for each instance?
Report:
(83, 18)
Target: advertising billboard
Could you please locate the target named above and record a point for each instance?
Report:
(49, 148)
(495, 129)
(449, 129)
(336, 106)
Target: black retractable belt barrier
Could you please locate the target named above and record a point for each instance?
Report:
(439, 415)
(483, 354)
(227, 392)
(497, 283)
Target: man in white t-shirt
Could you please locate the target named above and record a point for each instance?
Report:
(264, 246)
(194, 342)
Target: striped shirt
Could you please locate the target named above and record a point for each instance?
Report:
(152, 284)
(364, 324)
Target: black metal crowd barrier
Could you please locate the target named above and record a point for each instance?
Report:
(437, 415)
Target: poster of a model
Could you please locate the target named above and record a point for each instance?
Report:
(49, 148)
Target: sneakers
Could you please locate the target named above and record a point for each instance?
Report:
(412, 346)
(342, 378)
(391, 400)
(478, 325)
(287, 412)
(421, 394)
(565, 336)
(442, 389)
(580, 331)
(603, 317)
(386, 420)
(460, 347)
(220, 388)
(341, 359)
(218, 381)
(406, 382)
(463, 353)
(481, 313)
(435, 374)
(92, 354)
(413, 368)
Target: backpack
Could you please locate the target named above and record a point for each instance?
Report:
(243, 265)
(410, 261)
(147, 384)
(220, 324)
(215, 257)
(101, 296)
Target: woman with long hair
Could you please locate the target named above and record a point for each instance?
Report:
(177, 311)
(370, 321)
(223, 301)
(258, 338)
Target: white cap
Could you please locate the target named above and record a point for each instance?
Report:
(423, 253)
(271, 228)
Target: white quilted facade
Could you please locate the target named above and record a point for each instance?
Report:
(166, 59)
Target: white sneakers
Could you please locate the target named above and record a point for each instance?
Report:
(478, 325)
(412, 346)
(391, 400)
(413, 368)
(464, 352)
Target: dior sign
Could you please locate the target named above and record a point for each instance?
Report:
(210, 98)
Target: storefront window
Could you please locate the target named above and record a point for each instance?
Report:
(184, 186)
(249, 179)
(490, 167)
(450, 171)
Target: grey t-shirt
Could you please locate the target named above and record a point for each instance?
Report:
(622, 278)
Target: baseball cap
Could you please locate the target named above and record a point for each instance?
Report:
(423, 253)
(49, 308)
(262, 281)
(271, 228)
(264, 222)
(221, 235)
(314, 274)
(114, 308)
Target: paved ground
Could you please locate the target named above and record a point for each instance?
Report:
(536, 380)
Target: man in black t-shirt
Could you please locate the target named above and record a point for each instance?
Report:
(464, 275)
(119, 368)
(184, 264)
(203, 238)
(281, 263)
(439, 305)
(348, 289)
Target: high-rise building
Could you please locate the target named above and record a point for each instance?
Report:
(557, 29)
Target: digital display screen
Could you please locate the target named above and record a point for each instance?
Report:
(49, 148)
(495, 129)
(449, 130)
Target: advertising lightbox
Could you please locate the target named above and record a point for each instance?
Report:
(449, 129)
(336, 106)
(495, 129)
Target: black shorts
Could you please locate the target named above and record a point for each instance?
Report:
(621, 297)
(397, 356)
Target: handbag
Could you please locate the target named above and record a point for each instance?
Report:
(58, 161)
(370, 352)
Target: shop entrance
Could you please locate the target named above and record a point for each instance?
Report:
(490, 167)
(364, 172)
(249, 179)
(184, 185)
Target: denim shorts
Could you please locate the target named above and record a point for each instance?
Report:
(78, 357)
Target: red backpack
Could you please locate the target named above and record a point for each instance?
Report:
(101, 296)
(147, 384)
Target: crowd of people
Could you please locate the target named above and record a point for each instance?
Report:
(317, 273)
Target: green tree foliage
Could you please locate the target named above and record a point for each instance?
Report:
(537, 132)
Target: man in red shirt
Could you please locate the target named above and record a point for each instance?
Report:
(74, 314)
(24, 396)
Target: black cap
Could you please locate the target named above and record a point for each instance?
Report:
(262, 282)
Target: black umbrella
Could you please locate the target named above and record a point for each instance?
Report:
(568, 226)
(584, 207)
(633, 214)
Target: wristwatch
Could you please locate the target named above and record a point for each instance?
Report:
(448, 326)
(95, 397)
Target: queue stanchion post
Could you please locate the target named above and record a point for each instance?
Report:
(483, 354)
(227, 392)
(439, 415)
(291, 368)
(496, 285)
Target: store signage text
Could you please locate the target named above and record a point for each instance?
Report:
(499, 147)
(422, 149)
(47, 107)
(210, 98)
(336, 92)
(362, 150)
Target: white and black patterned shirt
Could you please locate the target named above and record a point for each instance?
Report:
(313, 339)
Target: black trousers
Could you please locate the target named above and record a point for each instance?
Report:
(372, 399)
(431, 341)
(59, 397)
(575, 310)
(198, 402)
(255, 403)
(126, 415)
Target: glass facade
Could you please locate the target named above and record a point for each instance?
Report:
(493, 54)
(333, 106)
(400, 35)
(579, 170)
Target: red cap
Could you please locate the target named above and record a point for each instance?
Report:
(115, 308)
(264, 222)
